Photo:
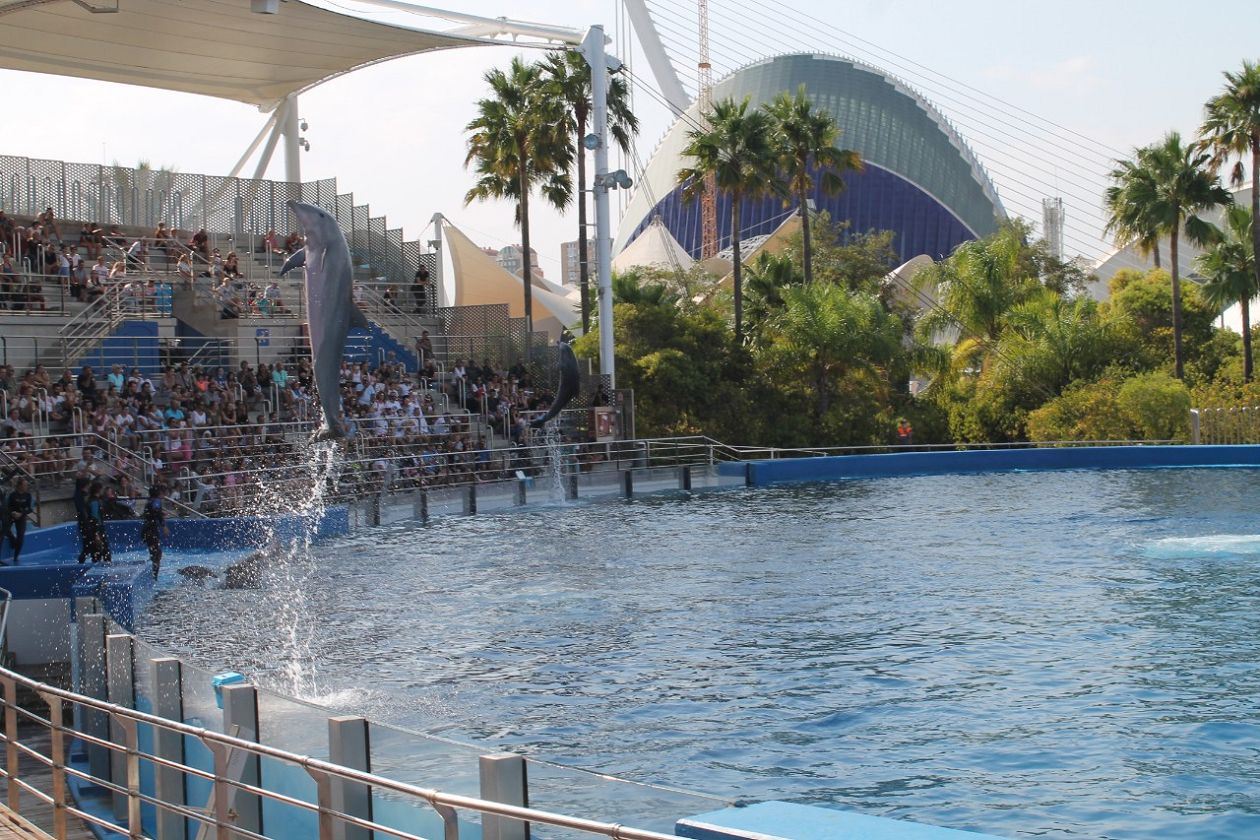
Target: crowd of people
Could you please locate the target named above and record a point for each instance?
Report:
(88, 263)
(224, 441)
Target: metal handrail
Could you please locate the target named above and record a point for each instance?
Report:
(6, 599)
(221, 746)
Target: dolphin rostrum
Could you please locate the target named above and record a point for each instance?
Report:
(330, 307)
(568, 385)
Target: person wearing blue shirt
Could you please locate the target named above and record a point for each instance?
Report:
(173, 412)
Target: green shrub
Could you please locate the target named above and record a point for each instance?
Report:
(1157, 405)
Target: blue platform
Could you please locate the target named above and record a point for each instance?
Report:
(788, 821)
(953, 462)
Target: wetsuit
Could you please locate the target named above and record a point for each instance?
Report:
(98, 538)
(81, 485)
(18, 509)
(151, 532)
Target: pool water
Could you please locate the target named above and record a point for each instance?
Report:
(1060, 654)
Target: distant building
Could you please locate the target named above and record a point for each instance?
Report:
(570, 268)
(921, 180)
(511, 258)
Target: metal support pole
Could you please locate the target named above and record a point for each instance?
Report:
(122, 691)
(520, 491)
(470, 500)
(627, 483)
(349, 746)
(168, 702)
(684, 478)
(11, 760)
(422, 506)
(593, 50)
(437, 293)
(503, 780)
(288, 122)
(92, 671)
(240, 712)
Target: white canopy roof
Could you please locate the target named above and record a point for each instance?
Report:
(212, 47)
(656, 247)
(479, 279)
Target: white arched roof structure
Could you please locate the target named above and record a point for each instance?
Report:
(215, 48)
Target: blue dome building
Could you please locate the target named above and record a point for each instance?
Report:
(921, 181)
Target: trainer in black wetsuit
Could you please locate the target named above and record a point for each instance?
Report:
(98, 537)
(154, 528)
(19, 507)
(82, 482)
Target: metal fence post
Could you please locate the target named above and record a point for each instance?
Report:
(627, 483)
(121, 688)
(92, 673)
(240, 712)
(349, 745)
(168, 783)
(57, 754)
(503, 780)
(1194, 426)
(11, 761)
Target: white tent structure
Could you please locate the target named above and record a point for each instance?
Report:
(656, 247)
(478, 279)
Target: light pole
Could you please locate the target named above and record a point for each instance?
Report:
(592, 49)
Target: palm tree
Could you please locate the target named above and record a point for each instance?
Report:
(1167, 184)
(734, 146)
(1126, 218)
(825, 330)
(568, 79)
(807, 140)
(1232, 129)
(1229, 267)
(517, 142)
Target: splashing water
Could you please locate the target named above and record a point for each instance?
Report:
(555, 463)
(1175, 548)
(288, 567)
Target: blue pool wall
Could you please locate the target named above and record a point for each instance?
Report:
(49, 567)
(953, 462)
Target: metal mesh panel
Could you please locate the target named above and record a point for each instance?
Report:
(395, 265)
(345, 209)
(359, 218)
(376, 247)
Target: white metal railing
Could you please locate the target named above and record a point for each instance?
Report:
(6, 599)
(1233, 425)
(220, 816)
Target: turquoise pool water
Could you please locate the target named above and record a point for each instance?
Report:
(1061, 654)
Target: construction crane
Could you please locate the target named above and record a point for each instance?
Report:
(708, 199)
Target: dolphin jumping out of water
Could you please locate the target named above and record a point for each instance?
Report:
(568, 386)
(331, 310)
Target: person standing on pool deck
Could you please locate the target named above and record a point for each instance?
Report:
(19, 507)
(82, 481)
(154, 528)
(97, 538)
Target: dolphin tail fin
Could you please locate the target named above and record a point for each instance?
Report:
(357, 318)
(296, 260)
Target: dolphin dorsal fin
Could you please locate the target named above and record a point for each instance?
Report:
(357, 318)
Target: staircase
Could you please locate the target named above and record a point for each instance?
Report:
(373, 344)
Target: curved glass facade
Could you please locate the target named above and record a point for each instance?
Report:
(921, 180)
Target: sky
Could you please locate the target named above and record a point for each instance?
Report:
(1048, 95)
